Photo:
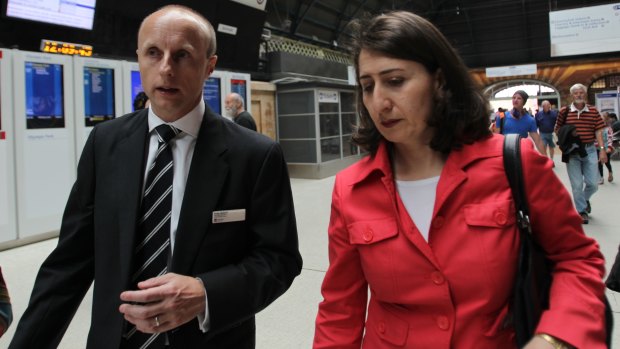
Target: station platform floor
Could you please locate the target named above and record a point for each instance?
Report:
(289, 322)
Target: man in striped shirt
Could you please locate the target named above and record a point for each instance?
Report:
(589, 126)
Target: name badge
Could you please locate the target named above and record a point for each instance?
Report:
(228, 216)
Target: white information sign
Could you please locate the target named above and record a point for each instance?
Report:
(513, 70)
(585, 30)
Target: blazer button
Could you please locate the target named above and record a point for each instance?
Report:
(382, 327)
(438, 222)
(500, 217)
(367, 235)
(443, 322)
(437, 278)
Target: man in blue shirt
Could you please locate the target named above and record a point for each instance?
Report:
(518, 120)
(545, 120)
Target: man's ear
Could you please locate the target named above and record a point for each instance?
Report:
(211, 65)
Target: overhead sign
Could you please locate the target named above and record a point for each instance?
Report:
(513, 70)
(258, 4)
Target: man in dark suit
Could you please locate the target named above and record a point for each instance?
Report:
(231, 237)
(235, 109)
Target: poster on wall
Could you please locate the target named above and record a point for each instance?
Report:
(607, 101)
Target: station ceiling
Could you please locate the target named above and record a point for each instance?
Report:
(486, 33)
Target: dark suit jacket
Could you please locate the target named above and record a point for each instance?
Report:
(243, 265)
(245, 119)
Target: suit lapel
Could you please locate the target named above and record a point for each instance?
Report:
(206, 179)
(130, 157)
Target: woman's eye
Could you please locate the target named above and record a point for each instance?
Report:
(395, 82)
(367, 87)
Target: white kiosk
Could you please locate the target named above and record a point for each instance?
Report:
(8, 228)
(44, 139)
(132, 85)
(98, 95)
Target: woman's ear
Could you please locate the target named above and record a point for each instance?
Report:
(439, 79)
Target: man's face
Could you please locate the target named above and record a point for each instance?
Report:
(579, 96)
(231, 107)
(173, 64)
(517, 101)
(546, 107)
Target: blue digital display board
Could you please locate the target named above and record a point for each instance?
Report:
(44, 95)
(98, 95)
(136, 85)
(212, 90)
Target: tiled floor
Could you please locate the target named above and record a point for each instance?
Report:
(289, 322)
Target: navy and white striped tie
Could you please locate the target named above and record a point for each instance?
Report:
(153, 236)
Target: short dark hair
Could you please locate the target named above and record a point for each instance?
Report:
(460, 114)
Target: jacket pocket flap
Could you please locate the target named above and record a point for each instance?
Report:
(369, 232)
(389, 328)
(490, 214)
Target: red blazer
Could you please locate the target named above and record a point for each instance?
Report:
(454, 291)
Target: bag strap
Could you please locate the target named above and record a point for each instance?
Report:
(514, 172)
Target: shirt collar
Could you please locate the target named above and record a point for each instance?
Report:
(188, 123)
(586, 107)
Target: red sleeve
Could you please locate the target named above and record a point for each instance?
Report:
(576, 313)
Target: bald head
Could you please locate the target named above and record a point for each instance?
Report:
(177, 11)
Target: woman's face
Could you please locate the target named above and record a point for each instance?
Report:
(398, 94)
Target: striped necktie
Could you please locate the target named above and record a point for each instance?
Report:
(153, 236)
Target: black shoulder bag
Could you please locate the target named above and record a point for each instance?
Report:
(533, 279)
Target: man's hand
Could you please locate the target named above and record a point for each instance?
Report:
(163, 303)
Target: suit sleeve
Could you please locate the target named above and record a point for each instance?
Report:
(576, 312)
(341, 316)
(238, 291)
(66, 274)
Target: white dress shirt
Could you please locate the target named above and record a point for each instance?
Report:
(182, 147)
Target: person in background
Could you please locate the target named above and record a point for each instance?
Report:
(519, 121)
(6, 311)
(582, 171)
(425, 224)
(141, 101)
(609, 148)
(545, 121)
(184, 220)
(234, 109)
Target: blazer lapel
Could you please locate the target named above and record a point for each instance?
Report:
(130, 157)
(207, 175)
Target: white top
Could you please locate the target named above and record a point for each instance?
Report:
(419, 200)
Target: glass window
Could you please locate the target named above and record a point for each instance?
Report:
(329, 125)
(348, 121)
(348, 148)
(300, 126)
(330, 149)
(347, 102)
(299, 151)
(296, 102)
(328, 108)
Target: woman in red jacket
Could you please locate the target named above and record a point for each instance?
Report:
(425, 225)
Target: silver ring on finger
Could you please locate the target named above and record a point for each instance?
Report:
(156, 321)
